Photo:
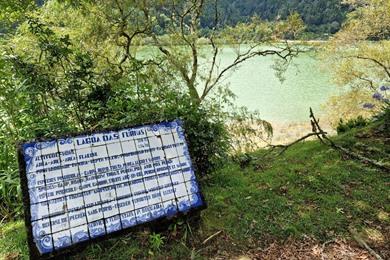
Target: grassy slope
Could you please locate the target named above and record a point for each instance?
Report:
(309, 191)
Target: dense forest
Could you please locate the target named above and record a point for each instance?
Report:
(320, 16)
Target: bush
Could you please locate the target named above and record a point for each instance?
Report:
(358, 122)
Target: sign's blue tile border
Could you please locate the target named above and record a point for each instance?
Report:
(66, 249)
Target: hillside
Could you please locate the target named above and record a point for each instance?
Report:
(320, 16)
(308, 203)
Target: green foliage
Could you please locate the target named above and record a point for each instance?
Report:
(322, 17)
(156, 241)
(358, 122)
(58, 88)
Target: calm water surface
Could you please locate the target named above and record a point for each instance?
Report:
(257, 87)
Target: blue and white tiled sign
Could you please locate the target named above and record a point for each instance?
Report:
(89, 186)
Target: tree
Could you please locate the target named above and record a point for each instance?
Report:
(359, 55)
(180, 49)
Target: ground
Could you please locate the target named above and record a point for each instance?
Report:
(308, 203)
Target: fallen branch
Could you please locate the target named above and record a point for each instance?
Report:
(211, 237)
(363, 244)
(323, 137)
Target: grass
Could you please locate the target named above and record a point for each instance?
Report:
(310, 191)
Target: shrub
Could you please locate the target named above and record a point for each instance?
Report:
(358, 122)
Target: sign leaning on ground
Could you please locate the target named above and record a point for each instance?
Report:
(80, 188)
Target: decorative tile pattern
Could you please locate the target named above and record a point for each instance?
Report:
(89, 186)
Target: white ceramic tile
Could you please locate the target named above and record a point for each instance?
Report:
(85, 154)
(143, 215)
(55, 191)
(70, 171)
(140, 201)
(117, 162)
(122, 190)
(180, 190)
(127, 134)
(48, 147)
(182, 149)
(83, 141)
(41, 228)
(65, 144)
(170, 152)
(87, 169)
(151, 183)
(62, 239)
(32, 157)
(142, 144)
(79, 234)
(144, 156)
(101, 151)
(44, 244)
(75, 201)
(192, 187)
(113, 224)
(68, 157)
(37, 194)
(89, 183)
(102, 180)
(35, 179)
(167, 139)
(165, 128)
(114, 177)
(148, 170)
(98, 139)
(111, 137)
(189, 175)
(154, 197)
(53, 176)
(72, 186)
(128, 219)
(161, 167)
(114, 149)
(94, 213)
(57, 206)
(59, 223)
(183, 203)
(177, 176)
(135, 173)
(102, 165)
(185, 162)
(110, 209)
(152, 130)
(167, 193)
(39, 210)
(195, 200)
(96, 229)
(77, 218)
(137, 186)
(125, 205)
(173, 164)
(164, 180)
(157, 153)
(170, 207)
(155, 141)
(91, 197)
(107, 193)
(51, 161)
(157, 210)
(179, 138)
(128, 147)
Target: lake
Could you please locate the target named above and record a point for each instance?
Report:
(257, 87)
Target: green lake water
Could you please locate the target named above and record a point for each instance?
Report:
(257, 87)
